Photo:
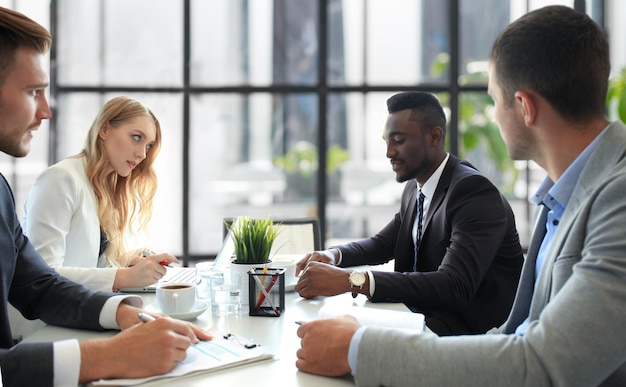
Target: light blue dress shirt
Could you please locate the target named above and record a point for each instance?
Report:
(555, 197)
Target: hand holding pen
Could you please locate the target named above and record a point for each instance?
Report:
(197, 333)
(145, 271)
(165, 262)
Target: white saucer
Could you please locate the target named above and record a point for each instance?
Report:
(198, 308)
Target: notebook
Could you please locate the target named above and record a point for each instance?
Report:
(188, 274)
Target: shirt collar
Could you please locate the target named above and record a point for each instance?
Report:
(429, 187)
(556, 193)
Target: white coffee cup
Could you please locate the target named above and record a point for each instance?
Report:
(176, 297)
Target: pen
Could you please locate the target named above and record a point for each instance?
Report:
(145, 317)
(165, 262)
(261, 295)
(300, 322)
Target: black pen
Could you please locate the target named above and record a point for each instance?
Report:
(300, 322)
(145, 317)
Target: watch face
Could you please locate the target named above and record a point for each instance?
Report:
(357, 278)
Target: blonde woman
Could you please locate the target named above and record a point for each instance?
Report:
(82, 211)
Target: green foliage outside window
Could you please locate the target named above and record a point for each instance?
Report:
(616, 97)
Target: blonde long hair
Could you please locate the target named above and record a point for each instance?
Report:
(124, 203)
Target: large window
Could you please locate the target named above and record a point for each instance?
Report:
(276, 107)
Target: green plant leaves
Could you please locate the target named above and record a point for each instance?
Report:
(253, 239)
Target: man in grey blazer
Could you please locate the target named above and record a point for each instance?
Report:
(36, 290)
(548, 78)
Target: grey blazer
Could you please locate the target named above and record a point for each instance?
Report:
(576, 336)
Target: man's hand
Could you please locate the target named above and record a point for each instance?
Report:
(146, 349)
(127, 317)
(326, 256)
(325, 345)
(320, 279)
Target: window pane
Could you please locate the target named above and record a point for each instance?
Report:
(119, 43)
(368, 194)
(242, 40)
(478, 30)
(251, 155)
(76, 114)
(401, 41)
(260, 42)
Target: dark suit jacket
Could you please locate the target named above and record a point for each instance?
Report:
(34, 289)
(469, 259)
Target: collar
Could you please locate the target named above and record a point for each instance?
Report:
(429, 187)
(556, 193)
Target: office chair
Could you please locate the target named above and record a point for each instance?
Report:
(297, 235)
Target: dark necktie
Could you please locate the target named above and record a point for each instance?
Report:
(420, 215)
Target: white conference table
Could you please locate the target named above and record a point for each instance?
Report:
(276, 333)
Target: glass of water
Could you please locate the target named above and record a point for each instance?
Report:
(203, 279)
(225, 294)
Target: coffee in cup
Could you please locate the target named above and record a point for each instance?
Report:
(176, 297)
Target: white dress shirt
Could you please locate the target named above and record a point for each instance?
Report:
(66, 353)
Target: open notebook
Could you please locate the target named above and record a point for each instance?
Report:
(188, 274)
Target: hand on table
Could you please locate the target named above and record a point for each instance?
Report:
(144, 349)
(325, 344)
(324, 256)
(321, 279)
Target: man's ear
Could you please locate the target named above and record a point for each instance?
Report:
(436, 135)
(527, 106)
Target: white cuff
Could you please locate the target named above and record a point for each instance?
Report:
(372, 288)
(109, 310)
(353, 350)
(66, 362)
(340, 256)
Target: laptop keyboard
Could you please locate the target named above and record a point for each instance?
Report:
(187, 275)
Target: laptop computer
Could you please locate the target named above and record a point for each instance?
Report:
(188, 274)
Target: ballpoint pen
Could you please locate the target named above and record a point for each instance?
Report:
(268, 289)
(145, 317)
(165, 262)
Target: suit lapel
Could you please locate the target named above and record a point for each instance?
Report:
(600, 164)
(526, 286)
(440, 191)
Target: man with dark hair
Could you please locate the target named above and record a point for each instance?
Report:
(36, 290)
(548, 78)
(454, 241)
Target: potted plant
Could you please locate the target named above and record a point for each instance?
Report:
(253, 240)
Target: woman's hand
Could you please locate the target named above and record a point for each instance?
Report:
(145, 271)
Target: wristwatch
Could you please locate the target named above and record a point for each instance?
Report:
(357, 280)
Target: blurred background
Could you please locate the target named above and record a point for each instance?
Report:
(276, 107)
